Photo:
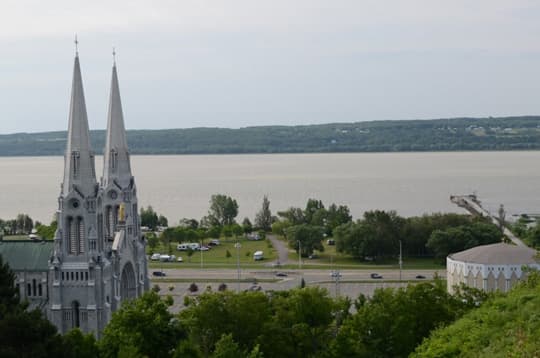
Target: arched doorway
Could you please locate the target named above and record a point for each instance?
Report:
(128, 288)
(75, 314)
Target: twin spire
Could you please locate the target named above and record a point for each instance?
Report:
(79, 169)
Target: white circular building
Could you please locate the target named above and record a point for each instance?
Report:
(490, 267)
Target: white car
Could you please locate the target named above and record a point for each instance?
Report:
(179, 259)
(155, 257)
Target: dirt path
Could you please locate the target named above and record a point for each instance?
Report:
(281, 247)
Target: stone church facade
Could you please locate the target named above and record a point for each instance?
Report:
(98, 256)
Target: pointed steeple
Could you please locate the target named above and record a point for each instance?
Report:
(79, 169)
(116, 165)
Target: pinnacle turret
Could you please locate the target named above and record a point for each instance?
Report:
(79, 170)
(116, 164)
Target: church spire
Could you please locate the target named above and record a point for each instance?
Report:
(79, 170)
(116, 165)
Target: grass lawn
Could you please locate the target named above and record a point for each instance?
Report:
(217, 255)
(332, 259)
(16, 237)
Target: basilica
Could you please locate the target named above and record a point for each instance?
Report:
(97, 259)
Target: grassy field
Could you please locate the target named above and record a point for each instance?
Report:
(15, 237)
(217, 255)
(329, 258)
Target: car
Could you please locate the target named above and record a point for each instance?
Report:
(313, 256)
(420, 277)
(375, 275)
(159, 273)
(281, 274)
(335, 274)
(179, 259)
(255, 287)
(213, 242)
(204, 248)
(155, 257)
(330, 242)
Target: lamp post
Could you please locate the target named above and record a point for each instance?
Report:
(201, 250)
(238, 246)
(299, 255)
(400, 260)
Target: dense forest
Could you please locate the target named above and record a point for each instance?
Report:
(508, 133)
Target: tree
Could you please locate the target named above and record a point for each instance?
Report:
(47, 232)
(263, 219)
(149, 218)
(312, 206)
(153, 240)
(394, 321)
(228, 255)
(189, 223)
(309, 237)
(223, 210)
(247, 226)
(23, 224)
(237, 230)
(226, 347)
(455, 239)
(162, 221)
(295, 216)
(335, 216)
(23, 333)
(79, 345)
(144, 324)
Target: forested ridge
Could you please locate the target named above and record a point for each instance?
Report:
(456, 134)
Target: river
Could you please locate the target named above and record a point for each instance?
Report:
(181, 185)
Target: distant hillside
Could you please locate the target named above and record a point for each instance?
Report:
(509, 133)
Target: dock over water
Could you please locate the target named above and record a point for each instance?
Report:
(474, 206)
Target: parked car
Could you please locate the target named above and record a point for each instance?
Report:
(159, 273)
(253, 236)
(179, 259)
(155, 257)
(164, 258)
(258, 255)
(375, 275)
(330, 242)
(420, 277)
(281, 274)
(204, 248)
(213, 242)
(335, 274)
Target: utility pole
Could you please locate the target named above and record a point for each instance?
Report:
(400, 260)
(299, 255)
(238, 246)
(201, 250)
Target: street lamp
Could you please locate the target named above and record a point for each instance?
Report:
(201, 250)
(238, 246)
(400, 260)
(299, 254)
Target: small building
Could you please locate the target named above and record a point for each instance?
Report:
(490, 267)
(29, 260)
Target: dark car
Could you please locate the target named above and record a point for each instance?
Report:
(375, 275)
(159, 273)
(420, 277)
(281, 274)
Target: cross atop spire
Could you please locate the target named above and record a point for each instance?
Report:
(76, 46)
(114, 55)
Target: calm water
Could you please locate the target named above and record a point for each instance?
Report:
(411, 183)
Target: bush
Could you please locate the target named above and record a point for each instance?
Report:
(193, 287)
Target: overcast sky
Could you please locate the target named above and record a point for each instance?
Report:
(236, 63)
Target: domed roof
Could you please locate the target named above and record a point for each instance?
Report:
(497, 254)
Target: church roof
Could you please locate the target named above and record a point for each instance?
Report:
(497, 254)
(78, 167)
(26, 255)
(118, 167)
